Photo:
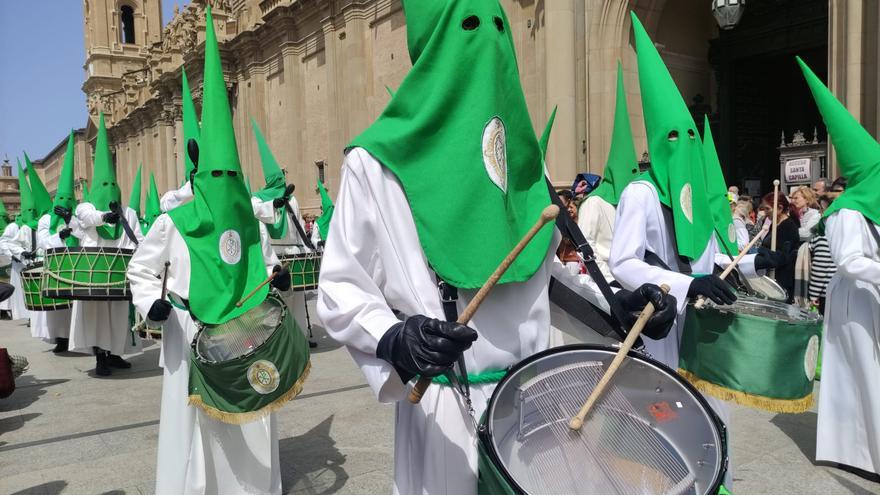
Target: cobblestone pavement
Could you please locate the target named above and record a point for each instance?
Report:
(65, 431)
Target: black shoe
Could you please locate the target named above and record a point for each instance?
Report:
(312, 344)
(60, 345)
(115, 361)
(101, 368)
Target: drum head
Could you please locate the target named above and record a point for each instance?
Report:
(240, 336)
(766, 288)
(650, 432)
(773, 310)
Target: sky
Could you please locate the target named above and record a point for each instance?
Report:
(41, 74)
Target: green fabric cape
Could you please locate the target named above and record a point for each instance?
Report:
(28, 215)
(64, 195)
(677, 170)
(190, 124)
(858, 154)
(463, 148)
(152, 209)
(218, 225)
(622, 166)
(105, 189)
(42, 199)
(134, 199)
(323, 222)
(716, 188)
(275, 183)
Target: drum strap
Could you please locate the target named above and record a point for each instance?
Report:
(299, 228)
(449, 299)
(125, 226)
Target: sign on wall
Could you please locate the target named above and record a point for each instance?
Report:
(797, 170)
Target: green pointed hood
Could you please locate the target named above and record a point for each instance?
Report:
(4, 217)
(134, 199)
(275, 183)
(390, 91)
(190, 124)
(152, 209)
(858, 154)
(464, 148)
(622, 166)
(64, 195)
(677, 170)
(545, 137)
(716, 188)
(28, 213)
(218, 225)
(85, 198)
(105, 189)
(42, 199)
(323, 222)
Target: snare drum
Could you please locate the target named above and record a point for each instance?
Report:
(766, 288)
(33, 298)
(757, 353)
(87, 273)
(144, 330)
(650, 432)
(304, 270)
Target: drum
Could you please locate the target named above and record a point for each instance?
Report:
(33, 298)
(304, 270)
(766, 288)
(650, 432)
(757, 353)
(250, 366)
(144, 330)
(87, 273)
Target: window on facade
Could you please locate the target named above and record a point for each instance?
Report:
(320, 166)
(126, 21)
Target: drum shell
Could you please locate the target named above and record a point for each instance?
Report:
(753, 360)
(304, 270)
(87, 273)
(34, 300)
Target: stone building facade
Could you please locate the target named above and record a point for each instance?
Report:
(312, 74)
(9, 189)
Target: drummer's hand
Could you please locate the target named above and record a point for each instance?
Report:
(282, 279)
(278, 203)
(424, 346)
(110, 217)
(665, 309)
(64, 233)
(767, 259)
(711, 286)
(64, 213)
(28, 255)
(159, 311)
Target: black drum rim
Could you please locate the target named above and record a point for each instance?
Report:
(486, 436)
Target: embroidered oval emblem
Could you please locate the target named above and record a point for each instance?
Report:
(731, 233)
(495, 152)
(230, 247)
(811, 357)
(684, 199)
(263, 377)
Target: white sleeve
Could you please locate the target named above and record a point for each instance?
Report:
(176, 197)
(89, 216)
(45, 238)
(294, 207)
(350, 303)
(627, 259)
(148, 261)
(846, 231)
(264, 211)
(269, 256)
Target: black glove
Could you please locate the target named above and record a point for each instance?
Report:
(64, 233)
(665, 309)
(767, 259)
(64, 213)
(282, 280)
(192, 149)
(159, 311)
(321, 244)
(424, 346)
(110, 217)
(711, 286)
(279, 202)
(28, 255)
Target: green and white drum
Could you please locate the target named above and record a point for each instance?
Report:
(304, 270)
(250, 366)
(34, 300)
(87, 273)
(757, 353)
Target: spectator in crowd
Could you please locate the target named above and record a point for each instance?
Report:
(566, 251)
(822, 268)
(787, 239)
(839, 185)
(804, 202)
(742, 221)
(820, 187)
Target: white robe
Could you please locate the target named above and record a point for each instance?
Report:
(102, 324)
(596, 220)
(176, 197)
(197, 455)
(49, 325)
(6, 259)
(14, 246)
(848, 430)
(642, 226)
(373, 262)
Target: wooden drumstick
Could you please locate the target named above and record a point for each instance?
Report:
(702, 300)
(577, 422)
(775, 214)
(263, 283)
(549, 213)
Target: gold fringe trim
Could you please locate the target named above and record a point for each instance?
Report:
(242, 418)
(790, 406)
